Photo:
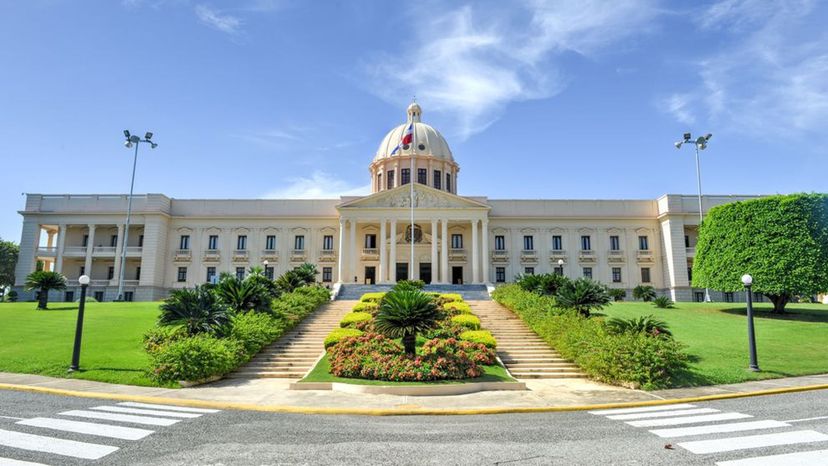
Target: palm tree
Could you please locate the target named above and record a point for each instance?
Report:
(289, 281)
(243, 295)
(583, 295)
(45, 281)
(642, 324)
(404, 314)
(644, 292)
(307, 273)
(195, 309)
(257, 275)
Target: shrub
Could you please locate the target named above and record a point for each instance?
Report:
(617, 294)
(290, 281)
(479, 336)
(468, 321)
(663, 302)
(195, 358)
(643, 324)
(457, 307)
(195, 309)
(645, 293)
(351, 319)
(404, 314)
(244, 295)
(450, 297)
(583, 295)
(157, 337)
(11, 296)
(410, 284)
(340, 334)
(254, 331)
(295, 306)
(372, 297)
(366, 307)
(306, 273)
(520, 301)
(44, 281)
(544, 284)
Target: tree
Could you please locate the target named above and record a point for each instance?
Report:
(781, 241)
(197, 310)
(45, 281)
(243, 295)
(645, 293)
(8, 260)
(405, 313)
(307, 273)
(583, 295)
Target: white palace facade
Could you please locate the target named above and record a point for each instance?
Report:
(174, 243)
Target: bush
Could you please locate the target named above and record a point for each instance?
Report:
(644, 324)
(351, 319)
(450, 297)
(457, 307)
(404, 314)
(254, 331)
(663, 302)
(617, 294)
(157, 337)
(468, 321)
(244, 295)
(645, 293)
(583, 295)
(195, 358)
(366, 307)
(88, 299)
(195, 309)
(294, 306)
(479, 336)
(340, 334)
(410, 284)
(544, 284)
(11, 296)
(372, 297)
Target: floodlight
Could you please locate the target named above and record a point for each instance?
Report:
(678, 144)
(126, 133)
(148, 136)
(153, 145)
(128, 144)
(687, 137)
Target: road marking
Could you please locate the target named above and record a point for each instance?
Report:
(89, 451)
(805, 458)
(641, 410)
(12, 417)
(151, 412)
(680, 412)
(701, 447)
(90, 428)
(675, 421)
(808, 419)
(11, 462)
(184, 409)
(718, 428)
(147, 420)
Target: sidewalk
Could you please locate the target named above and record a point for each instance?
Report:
(273, 395)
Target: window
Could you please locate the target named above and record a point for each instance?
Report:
(327, 274)
(558, 270)
(728, 297)
(500, 243)
(85, 241)
(240, 273)
(128, 296)
(113, 241)
(588, 272)
(643, 243)
(141, 241)
(82, 270)
(686, 241)
(379, 181)
(212, 242)
(438, 179)
(110, 273)
(268, 272)
(615, 243)
(422, 175)
(138, 272)
(389, 180)
(500, 274)
(616, 274)
(98, 295)
(448, 182)
(370, 241)
(327, 242)
(182, 274)
(529, 270)
(557, 243)
(69, 296)
(299, 243)
(270, 242)
(241, 242)
(586, 243)
(211, 274)
(456, 241)
(184, 242)
(645, 275)
(689, 274)
(698, 296)
(528, 243)
(405, 176)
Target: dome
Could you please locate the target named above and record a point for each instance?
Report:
(429, 141)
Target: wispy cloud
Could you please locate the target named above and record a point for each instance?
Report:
(677, 105)
(471, 65)
(218, 20)
(319, 185)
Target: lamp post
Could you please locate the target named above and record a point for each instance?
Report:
(747, 280)
(131, 140)
(264, 263)
(560, 265)
(700, 143)
(83, 280)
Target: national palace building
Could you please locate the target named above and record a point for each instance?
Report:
(174, 243)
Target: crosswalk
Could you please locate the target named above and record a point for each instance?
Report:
(98, 426)
(710, 431)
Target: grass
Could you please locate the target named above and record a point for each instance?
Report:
(792, 344)
(40, 342)
(322, 373)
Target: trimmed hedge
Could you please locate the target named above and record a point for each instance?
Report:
(196, 358)
(366, 307)
(451, 297)
(372, 297)
(340, 334)
(469, 321)
(629, 359)
(351, 319)
(479, 336)
(457, 307)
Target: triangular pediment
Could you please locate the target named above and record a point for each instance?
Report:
(424, 197)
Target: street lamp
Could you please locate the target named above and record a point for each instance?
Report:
(560, 265)
(83, 280)
(700, 143)
(747, 280)
(264, 263)
(131, 140)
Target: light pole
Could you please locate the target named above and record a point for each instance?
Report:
(560, 265)
(264, 263)
(131, 140)
(747, 280)
(700, 143)
(84, 282)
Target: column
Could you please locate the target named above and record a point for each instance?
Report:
(392, 262)
(475, 253)
(433, 249)
(61, 244)
(340, 268)
(486, 258)
(118, 246)
(381, 274)
(444, 267)
(353, 253)
(90, 242)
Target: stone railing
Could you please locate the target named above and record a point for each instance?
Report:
(615, 255)
(212, 255)
(183, 255)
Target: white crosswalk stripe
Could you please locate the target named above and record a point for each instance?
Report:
(39, 443)
(673, 413)
(644, 409)
(145, 420)
(675, 421)
(717, 428)
(700, 447)
(150, 412)
(804, 458)
(89, 428)
(184, 409)
(11, 462)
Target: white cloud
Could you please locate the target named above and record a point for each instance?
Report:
(471, 65)
(677, 105)
(215, 19)
(319, 185)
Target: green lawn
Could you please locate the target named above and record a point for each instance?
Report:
(40, 342)
(716, 337)
(322, 373)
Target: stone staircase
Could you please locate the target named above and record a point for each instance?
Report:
(293, 355)
(469, 292)
(523, 352)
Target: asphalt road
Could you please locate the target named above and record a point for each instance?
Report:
(54, 430)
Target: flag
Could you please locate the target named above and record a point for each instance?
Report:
(407, 137)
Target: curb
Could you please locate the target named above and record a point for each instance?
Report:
(394, 412)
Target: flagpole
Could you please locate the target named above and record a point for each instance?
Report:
(411, 181)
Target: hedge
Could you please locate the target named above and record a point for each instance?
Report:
(469, 321)
(479, 336)
(352, 318)
(372, 297)
(365, 307)
(340, 334)
(458, 307)
(196, 358)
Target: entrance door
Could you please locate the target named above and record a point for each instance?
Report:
(425, 272)
(402, 271)
(370, 274)
(457, 275)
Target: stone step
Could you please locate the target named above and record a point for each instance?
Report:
(551, 375)
(549, 368)
(265, 375)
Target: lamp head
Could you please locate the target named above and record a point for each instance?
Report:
(148, 136)
(127, 144)
(265, 262)
(126, 133)
(153, 145)
(687, 137)
(678, 144)
(560, 262)
(83, 280)
(747, 280)
(134, 139)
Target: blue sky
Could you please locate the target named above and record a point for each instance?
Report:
(282, 98)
